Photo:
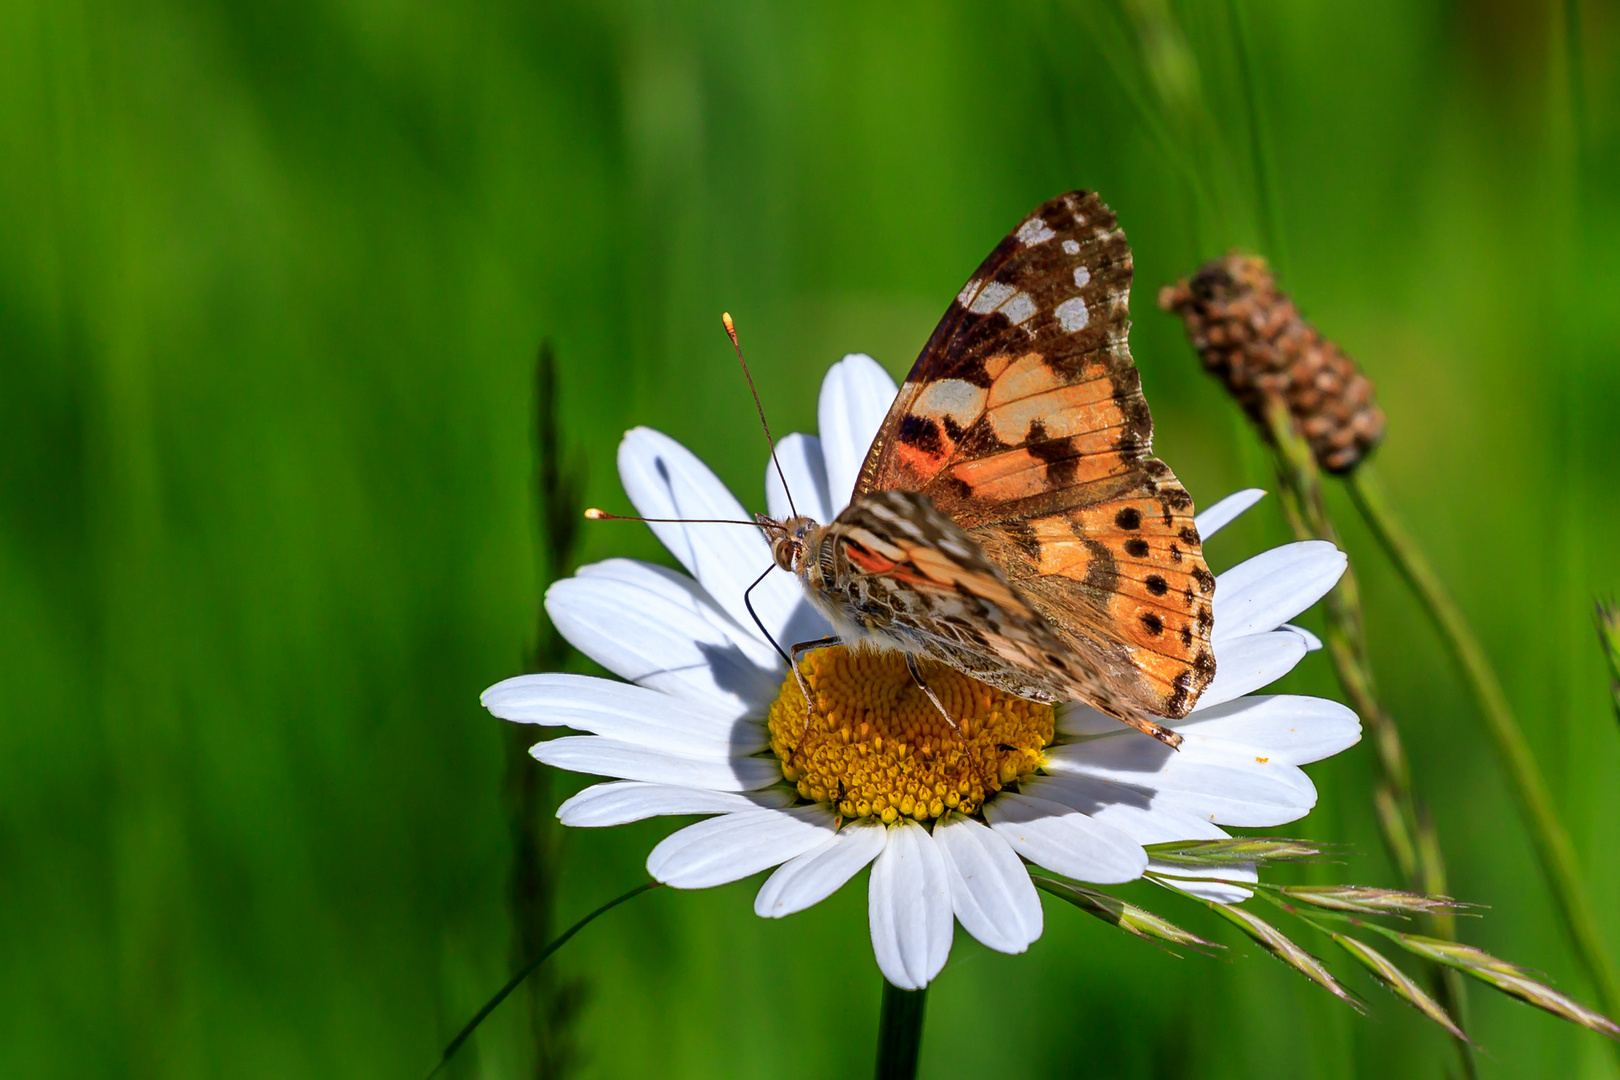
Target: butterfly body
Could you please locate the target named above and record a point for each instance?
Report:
(1009, 519)
(893, 573)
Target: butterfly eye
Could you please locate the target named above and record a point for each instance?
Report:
(785, 550)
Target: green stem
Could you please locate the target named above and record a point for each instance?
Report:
(1551, 842)
(528, 969)
(1259, 142)
(900, 1032)
(1608, 628)
(1408, 834)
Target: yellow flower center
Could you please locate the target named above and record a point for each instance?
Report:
(875, 745)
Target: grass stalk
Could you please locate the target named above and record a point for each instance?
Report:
(1551, 841)
(528, 969)
(532, 831)
(1608, 628)
(1408, 834)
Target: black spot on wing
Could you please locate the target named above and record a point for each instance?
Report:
(921, 432)
(1057, 454)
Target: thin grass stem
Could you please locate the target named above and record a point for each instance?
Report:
(1608, 628)
(1408, 834)
(528, 969)
(1551, 842)
(526, 788)
(1259, 137)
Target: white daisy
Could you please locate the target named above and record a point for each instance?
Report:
(690, 730)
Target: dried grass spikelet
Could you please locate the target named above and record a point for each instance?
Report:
(1253, 338)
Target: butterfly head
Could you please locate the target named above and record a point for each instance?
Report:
(787, 538)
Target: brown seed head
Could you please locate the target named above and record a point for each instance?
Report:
(1252, 338)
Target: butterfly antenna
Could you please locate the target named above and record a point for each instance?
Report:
(731, 332)
(593, 514)
(749, 604)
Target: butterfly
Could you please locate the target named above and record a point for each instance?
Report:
(1010, 520)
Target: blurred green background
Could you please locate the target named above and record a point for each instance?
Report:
(272, 281)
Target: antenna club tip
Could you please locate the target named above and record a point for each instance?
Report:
(593, 514)
(725, 320)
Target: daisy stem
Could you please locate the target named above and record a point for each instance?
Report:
(900, 1032)
(1408, 832)
(1547, 834)
(528, 969)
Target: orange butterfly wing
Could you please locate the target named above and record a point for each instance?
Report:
(1023, 421)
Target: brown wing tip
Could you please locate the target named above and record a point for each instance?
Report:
(1158, 731)
(1165, 735)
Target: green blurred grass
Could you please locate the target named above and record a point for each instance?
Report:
(271, 281)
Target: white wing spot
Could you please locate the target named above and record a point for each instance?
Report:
(1034, 231)
(1072, 315)
(992, 296)
(1082, 277)
(1020, 309)
(956, 398)
(1071, 247)
(966, 295)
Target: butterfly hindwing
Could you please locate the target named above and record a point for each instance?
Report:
(1023, 421)
(913, 576)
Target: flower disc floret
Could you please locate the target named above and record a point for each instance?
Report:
(876, 745)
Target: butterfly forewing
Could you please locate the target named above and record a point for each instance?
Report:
(1023, 421)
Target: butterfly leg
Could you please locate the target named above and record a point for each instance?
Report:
(916, 677)
(804, 688)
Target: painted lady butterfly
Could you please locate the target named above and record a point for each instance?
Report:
(1010, 520)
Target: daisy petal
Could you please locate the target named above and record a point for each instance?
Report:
(627, 761)
(624, 801)
(1217, 891)
(855, 397)
(651, 640)
(1227, 783)
(812, 877)
(1274, 586)
(679, 589)
(1292, 729)
(733, 846)
(666, 480)
(909, 904)
(1223, 513)
(806, 474)
(1312, 642)
(1079, 720)
(991, 893)
(1064, 840)
(1248, 663)
(625, 712)
(1134, 812)
(1131, 810)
